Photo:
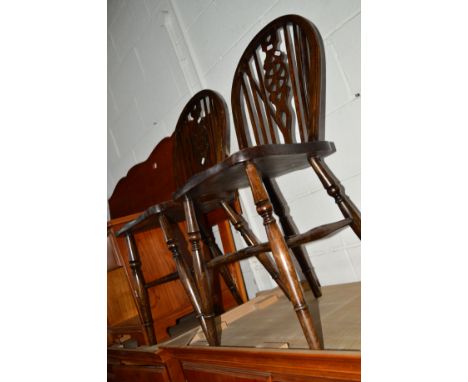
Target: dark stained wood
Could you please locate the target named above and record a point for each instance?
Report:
(201, 276)
(215, 252)
(336, 191)
(313, 234)
(289, 88)
(241, 226)
(201, 136)
(290, 229)
(183, 270)
(283, 260)
(162, 280)
(142, 293)
(271, 160)
(278, 103)
(229, 246)
(293, 75)
(147, 183)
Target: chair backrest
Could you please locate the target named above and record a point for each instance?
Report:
(201, 135)
(278, 91)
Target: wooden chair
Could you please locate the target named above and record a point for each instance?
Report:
(278, 103)
(201, 125)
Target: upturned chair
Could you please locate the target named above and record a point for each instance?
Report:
(278, 104)
(200, 141)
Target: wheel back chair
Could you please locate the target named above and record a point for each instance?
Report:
(278, 105)
(204, 112)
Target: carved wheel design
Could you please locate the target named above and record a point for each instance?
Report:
(276, 82)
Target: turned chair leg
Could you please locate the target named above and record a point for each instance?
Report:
(242, 226)
(201, 274)
(289, 229)
(141, 291)
(214, 251)
(281, 255)
(335, 190)
(183, 271)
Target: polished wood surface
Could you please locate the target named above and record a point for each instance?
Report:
(145, 184)
(272, 160)
(227, 364)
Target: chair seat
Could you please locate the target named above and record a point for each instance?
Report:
(272, 160)
(149, 218)
(173, 210)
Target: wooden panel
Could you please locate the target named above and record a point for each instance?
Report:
(281, 365)
(122, 373)
(120, 303)
(201, 373)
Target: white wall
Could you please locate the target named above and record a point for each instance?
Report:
(160, 52)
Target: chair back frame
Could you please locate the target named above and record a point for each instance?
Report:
(279, 84)
(201, 136)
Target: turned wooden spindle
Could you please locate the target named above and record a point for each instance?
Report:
(183, 270)
(140, 291)
(335, 190)
(215, 251)
(279, 207)
(251, 239)
(281, 255)
(201, 275)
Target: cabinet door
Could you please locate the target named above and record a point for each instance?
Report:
(123, 373)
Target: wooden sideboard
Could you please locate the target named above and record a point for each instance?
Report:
(194, 364)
